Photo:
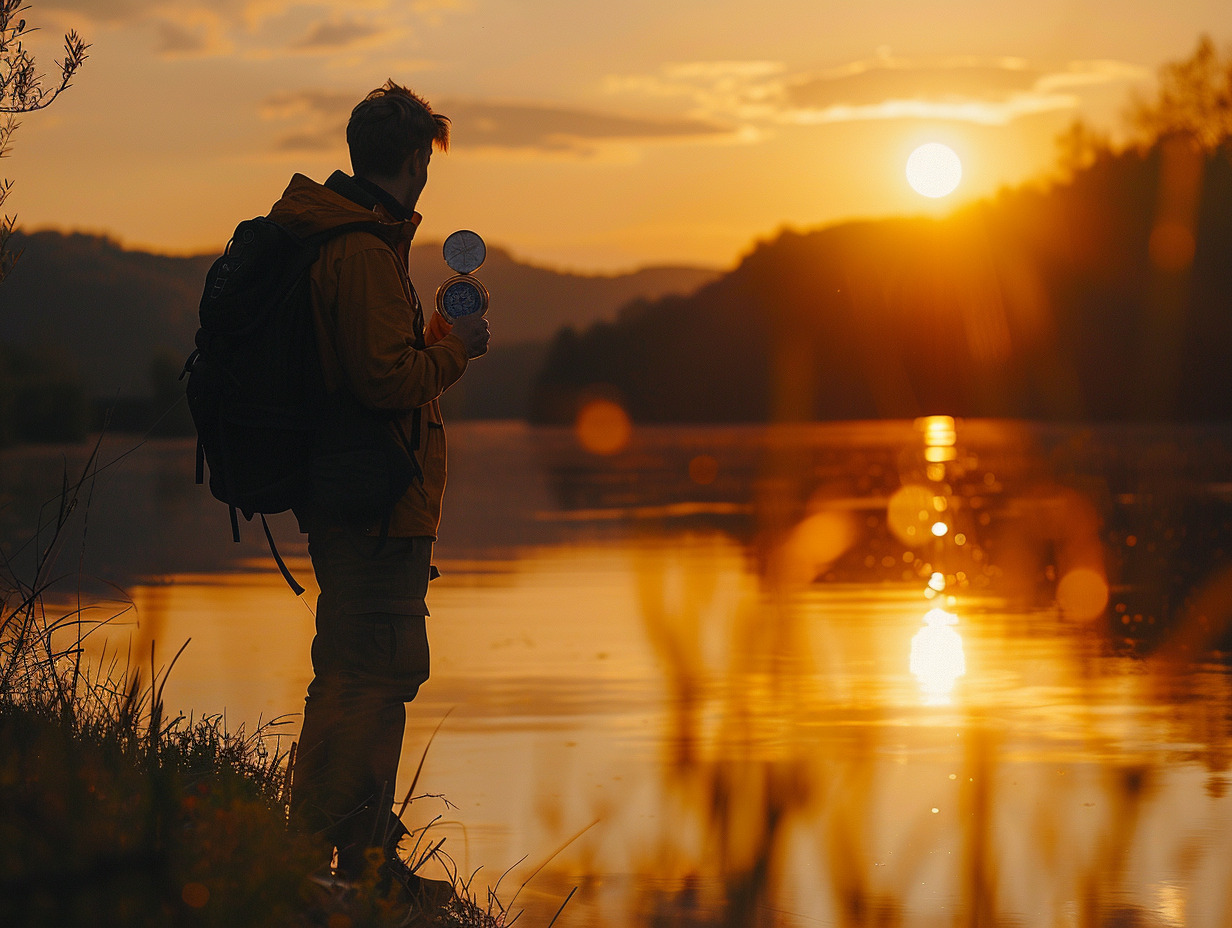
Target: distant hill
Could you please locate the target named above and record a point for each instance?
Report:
(1105, 297)
(114, 313)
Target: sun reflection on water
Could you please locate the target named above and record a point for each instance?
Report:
(937, 658)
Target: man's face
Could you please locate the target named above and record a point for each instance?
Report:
(416, 169)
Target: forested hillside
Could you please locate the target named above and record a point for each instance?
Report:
(1108, 296)
(86, 323)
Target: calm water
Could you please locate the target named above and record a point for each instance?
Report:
(897, 674)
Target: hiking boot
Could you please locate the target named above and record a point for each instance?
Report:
(422, 894)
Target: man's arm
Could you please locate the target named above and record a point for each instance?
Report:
(376, 341)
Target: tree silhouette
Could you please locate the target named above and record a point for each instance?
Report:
(1194, 100)
(1079, 147)
(22, 91)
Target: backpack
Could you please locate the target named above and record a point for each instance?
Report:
(256, 388)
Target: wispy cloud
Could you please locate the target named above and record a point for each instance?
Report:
(560, 129)
(339, 33)
(195, 34)
(131, 12)
(987, 91)
(715, 89)
(321, 119)
(434, 11)
(103, 11)
(262, 28)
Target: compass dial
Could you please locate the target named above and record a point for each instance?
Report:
(464, 251)
(462, 296)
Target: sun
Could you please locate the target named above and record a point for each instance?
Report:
(933, 170)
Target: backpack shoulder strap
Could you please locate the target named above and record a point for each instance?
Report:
(380, 229)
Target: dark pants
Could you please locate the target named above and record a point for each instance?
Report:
(369, 657)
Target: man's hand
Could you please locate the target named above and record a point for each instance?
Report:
(475, 334)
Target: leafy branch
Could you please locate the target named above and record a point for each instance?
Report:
(22, 91)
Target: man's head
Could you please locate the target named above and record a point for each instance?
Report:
(391, 134)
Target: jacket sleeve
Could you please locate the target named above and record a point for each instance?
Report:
(376, 338)
(437, 329)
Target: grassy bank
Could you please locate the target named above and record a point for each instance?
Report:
(111, 813)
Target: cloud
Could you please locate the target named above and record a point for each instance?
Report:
(260, 27)
(981, 91)
(173, 39)
(717, 89)
(552, 128)
(322, 117)
(434, 11)
(1093, 73)
(198, 34)
(987, 91)
(881, 82)
(103, 11)
(338, 34)
(129, 12)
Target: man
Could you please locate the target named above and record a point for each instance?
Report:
(370, 653)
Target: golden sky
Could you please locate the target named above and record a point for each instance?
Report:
(587, 135)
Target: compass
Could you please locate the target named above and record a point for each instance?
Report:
(464, 251)
(463, 295)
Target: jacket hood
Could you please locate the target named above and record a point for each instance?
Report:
(307, 207)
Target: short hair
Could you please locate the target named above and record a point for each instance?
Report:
(388, 126)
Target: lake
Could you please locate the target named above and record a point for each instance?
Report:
(902, 673)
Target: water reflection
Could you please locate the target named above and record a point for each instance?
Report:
(940, 437)
(750, 656)
(937, 658)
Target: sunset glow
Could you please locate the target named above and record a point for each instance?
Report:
(591, 138)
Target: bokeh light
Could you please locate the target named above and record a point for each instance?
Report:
(603, 427)
(703, 470)
(910, 513)
(1082, 594)
(195, 895)
(815, 543)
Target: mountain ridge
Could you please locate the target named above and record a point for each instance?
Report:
(90, 300)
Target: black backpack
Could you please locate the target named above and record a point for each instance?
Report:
(255, 387)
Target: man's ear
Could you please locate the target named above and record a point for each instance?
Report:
(419, 161)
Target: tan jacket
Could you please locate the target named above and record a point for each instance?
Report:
(367, 314)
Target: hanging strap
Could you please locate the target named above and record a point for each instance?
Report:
(413, 445)
(282, 567)
(269, 536)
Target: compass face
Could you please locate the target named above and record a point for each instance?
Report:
(464, 251)
(462, 296)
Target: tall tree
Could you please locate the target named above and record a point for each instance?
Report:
(1194, 100)
(22, 91)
